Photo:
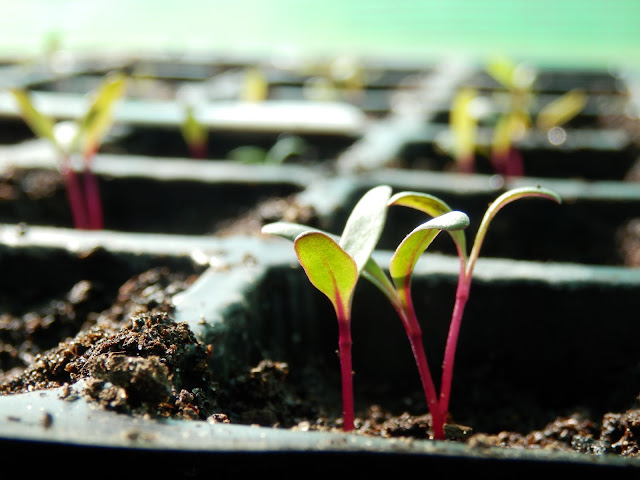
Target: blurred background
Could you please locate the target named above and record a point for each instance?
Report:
(565, 32)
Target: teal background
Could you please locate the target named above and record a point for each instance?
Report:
(563, 31)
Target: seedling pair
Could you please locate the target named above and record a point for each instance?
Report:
(513, 123)
(335, 264)
(83, 137)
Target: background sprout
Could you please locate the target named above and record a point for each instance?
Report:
(561, 110)
(255, 87)
(516, 121)
(464, 127)
(83, 137)
(286, 147)
(334, 266)
(195, 134)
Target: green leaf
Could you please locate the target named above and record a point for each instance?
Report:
(464, 124)
(502, 69)
(256, 86)
(98, 118)
(415, 243)
(371, 272)
(40, 124)
(562, 109)
(496, 206)
(193, 132)
(365, 224)
(290, 230)
(434, 207)
(284, 148)
(330, 269)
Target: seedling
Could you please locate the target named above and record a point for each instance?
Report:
(334, 273)
(255, 87)
(464, 127)
(195, 134)
(334, 266)
(284, 148)
(517, 121)
(331, 270)
(435, 207)
(84, 137)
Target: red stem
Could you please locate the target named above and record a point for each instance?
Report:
(93, 201)
(346, 369)
(514, 166)
(462, 295)
(75, 197)
(198, 150)
(414, 333)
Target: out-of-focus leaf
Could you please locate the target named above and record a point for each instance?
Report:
(99, 117)
(41, 125)
(562, 109)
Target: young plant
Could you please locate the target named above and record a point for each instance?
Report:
(464, 127)
(397, 292)
(517, 120)
(435, 207)
(195, 134)
(255, 87)
(334, 266)
(284, 148)
(83, 138)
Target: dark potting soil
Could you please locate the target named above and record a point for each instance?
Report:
(135, 360)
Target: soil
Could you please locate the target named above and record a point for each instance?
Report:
(134, 359)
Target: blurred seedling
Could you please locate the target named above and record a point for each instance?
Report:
(83, 138)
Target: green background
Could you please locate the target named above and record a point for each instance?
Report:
(568, 32)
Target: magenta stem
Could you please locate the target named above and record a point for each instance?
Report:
(75, 197)
(92, 201)
(346, 369)
(414, 333)
(462, 295)
(198, 150)
(514, 165)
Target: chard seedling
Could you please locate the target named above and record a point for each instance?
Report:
(285, 147)
(464, 127)
(435, 207)
(195, 134)
(517, 120)
(255, 87)
(83, 137)
(334, 266)
(338, 283)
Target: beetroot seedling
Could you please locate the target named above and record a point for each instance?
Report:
(432, 206)
(464, 128)
(195, 134)
(331, 270)
(517, 120)
(334, 266)
(84, 137)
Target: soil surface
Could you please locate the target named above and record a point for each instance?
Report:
(134, 359)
